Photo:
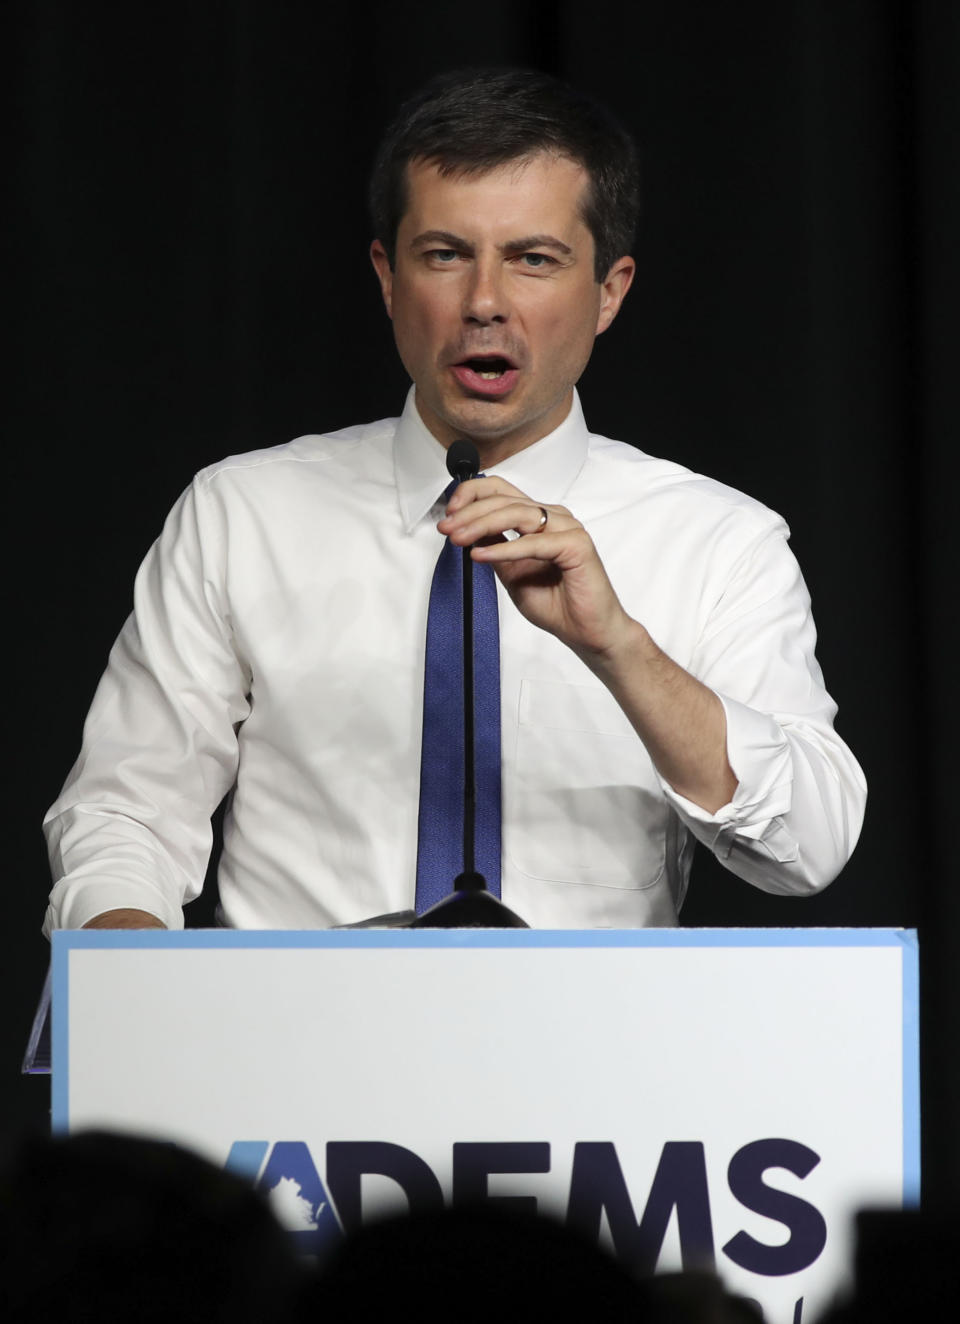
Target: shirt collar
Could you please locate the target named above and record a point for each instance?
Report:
(545, 471)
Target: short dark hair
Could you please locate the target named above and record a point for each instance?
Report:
(474, 120)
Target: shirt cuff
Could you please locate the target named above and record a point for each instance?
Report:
(77, 900)
(759, 754)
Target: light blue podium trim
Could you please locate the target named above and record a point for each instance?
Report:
(910, 983)
(66, 941)
(193, 939)
(61, 946)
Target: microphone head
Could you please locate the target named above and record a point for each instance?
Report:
(463, 460)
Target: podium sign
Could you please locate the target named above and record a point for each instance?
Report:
(724, 1098)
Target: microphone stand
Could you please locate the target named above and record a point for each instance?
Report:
(470, 905)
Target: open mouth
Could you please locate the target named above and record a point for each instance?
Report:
(488, 369)
(489, 376)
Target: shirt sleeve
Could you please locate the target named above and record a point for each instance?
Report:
(131, 827)
(797, 812)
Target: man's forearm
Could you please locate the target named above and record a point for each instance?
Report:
(680, 721)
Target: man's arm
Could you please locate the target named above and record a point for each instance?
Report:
(557, 580)
(748, 758)
(129, 836)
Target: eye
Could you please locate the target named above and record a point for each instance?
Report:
(536, 261)
(443, 256)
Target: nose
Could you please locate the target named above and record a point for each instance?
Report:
(485, 298)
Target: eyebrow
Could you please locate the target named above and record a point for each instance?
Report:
(511, 246)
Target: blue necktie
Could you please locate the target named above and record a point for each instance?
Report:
(440, 827)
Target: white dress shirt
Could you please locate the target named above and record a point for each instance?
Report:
(277, 644)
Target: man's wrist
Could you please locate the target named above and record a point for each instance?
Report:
(632, 647)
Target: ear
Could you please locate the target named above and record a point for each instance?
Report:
(613, 290)
(381, 264)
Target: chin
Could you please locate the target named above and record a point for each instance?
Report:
(482, 419)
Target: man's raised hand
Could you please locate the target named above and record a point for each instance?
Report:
(550, 567)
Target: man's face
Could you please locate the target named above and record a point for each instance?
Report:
(493, 299)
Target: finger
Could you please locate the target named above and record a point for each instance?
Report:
(500, 516)
(476, 489)
(555, 547)
(485, 507)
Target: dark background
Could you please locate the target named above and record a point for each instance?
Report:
(190, 279)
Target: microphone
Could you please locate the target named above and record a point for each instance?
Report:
(463, 460)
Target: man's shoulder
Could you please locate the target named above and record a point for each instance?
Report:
(342, 448)
(628, 475)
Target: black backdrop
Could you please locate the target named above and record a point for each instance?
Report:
(190, 279)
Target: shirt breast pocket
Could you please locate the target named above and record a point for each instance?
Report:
(589, 808)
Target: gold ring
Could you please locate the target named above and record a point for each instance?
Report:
(544, 516)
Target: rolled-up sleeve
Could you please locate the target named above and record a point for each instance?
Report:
(131, 827)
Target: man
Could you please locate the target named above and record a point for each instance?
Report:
(658, 681)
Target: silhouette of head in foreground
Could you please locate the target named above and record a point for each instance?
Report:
(99, 1226)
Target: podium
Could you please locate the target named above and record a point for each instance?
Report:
(698, 1098)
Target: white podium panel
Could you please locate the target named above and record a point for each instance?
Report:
(694, 1097)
